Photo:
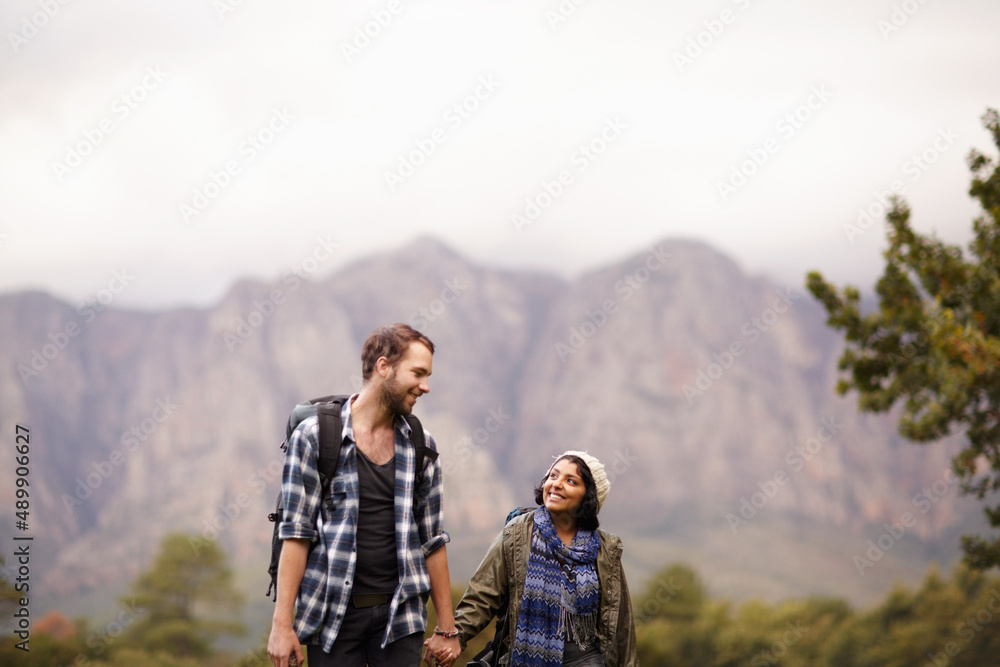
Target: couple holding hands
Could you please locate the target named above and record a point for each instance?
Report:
(356, 566)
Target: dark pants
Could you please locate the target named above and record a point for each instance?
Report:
(574, 656)
(591, 660)
(359, 642)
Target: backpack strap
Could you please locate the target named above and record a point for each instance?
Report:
(331, 431)
(422, 451)
(419, 442)
(331, 437)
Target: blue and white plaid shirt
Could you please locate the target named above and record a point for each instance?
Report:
(326, 586)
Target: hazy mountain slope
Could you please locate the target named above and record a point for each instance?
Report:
(694, 382)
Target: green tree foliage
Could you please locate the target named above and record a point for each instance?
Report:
(8, 595)
(952, 622)
(182, 595)
(675, 593)
(933, 344)
(672, 621)
(175, 611)
(129, 657)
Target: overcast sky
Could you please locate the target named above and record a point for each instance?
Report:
(191, 143)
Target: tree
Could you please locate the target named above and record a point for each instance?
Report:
(675, 624)
(181, 585)
(676, 593)
(933, 344)
(8, 595)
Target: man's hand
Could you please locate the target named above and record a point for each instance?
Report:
(443, 651)
(283, 643)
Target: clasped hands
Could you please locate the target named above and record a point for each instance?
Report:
(442, 650)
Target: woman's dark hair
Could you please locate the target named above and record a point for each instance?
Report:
(586, 513)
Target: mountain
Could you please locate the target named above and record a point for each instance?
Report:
(708, 393)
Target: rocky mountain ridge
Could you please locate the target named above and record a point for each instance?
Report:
(707, 392)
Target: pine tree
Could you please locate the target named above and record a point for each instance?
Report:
(174, 596)
(933, 344)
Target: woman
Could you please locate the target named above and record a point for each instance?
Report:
(569, 602)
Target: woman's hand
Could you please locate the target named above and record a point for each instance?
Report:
(443, 651)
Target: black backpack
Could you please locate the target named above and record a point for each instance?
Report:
(490, 655)
(327, 409)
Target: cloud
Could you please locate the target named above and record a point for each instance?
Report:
(366, 82)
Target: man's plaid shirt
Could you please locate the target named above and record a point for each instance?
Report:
(326, 586)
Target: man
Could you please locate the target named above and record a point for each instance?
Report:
(360, 569)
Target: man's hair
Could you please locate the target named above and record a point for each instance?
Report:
(390, 342)
(586, 513)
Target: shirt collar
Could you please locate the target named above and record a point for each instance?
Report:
(400, 423)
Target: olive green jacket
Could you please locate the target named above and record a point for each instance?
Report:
(504, 569)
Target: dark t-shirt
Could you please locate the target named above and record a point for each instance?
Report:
(377, 566)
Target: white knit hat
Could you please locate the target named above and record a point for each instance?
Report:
(596, 471)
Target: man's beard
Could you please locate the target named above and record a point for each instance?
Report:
(393, 396)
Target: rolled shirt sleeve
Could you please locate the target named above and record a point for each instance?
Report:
(300, 484)
(429, 511)
(326, 586)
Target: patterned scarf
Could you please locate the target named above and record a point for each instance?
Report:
(561, 599)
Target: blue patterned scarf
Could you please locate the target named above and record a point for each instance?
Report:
(561, 599)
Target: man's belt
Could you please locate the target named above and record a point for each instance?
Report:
(370, 600)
